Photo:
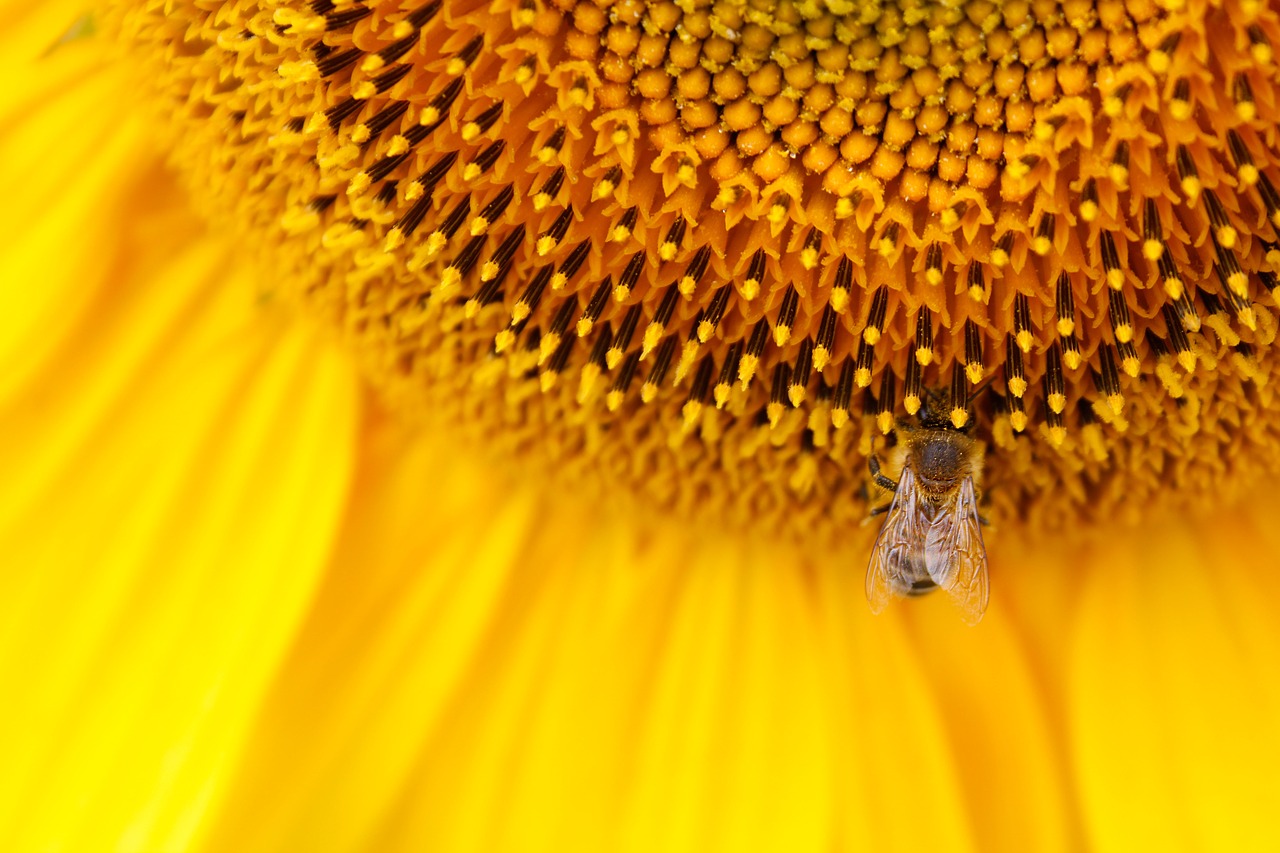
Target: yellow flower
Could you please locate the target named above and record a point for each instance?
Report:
(249, 605)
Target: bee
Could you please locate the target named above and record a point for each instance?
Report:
(932, 533)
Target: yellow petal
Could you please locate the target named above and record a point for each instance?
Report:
(160, 577)
(1173, 695)
(998, 700)
(177, 455)
(35, 30)
(71, 173)
(594, 684)
(385, 649)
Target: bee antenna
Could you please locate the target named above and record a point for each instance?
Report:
(982, 387)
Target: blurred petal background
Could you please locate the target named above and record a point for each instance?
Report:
(241, 609)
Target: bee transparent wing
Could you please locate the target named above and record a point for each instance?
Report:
(898, 546)
(955, 556)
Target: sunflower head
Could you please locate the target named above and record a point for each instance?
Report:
(710, 252)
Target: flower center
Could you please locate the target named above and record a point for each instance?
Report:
(711, 252)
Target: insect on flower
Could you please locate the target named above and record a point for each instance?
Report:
(932, 533)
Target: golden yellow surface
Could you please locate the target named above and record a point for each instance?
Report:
(242, 609)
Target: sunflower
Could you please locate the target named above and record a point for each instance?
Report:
(444, 425)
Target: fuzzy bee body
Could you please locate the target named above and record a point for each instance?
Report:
(932, 532)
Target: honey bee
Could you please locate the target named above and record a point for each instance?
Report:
(932, 532)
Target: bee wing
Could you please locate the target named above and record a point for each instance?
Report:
(897, 546)
(954, 554)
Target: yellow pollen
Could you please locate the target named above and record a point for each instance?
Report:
(436, 242)
(297, 23)
(400, 145)
(342, 237)
(604, 189)
(299, 72)
(359, 184)
(450, 282)
(395, 239)
(1239, 283)
(299, 219)
(652, 336)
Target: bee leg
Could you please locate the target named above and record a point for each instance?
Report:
(982, 519)
(882, 481)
